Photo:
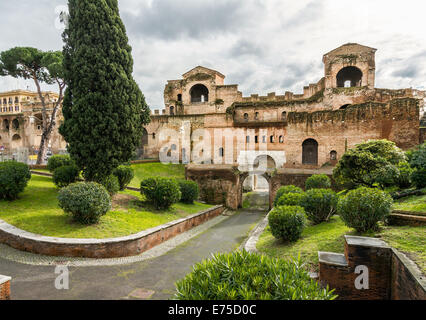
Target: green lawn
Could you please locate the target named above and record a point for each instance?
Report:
(148, 170)
(412, 203)
(328, 236)
(37, 211)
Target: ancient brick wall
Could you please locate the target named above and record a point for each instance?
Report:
(4, 288)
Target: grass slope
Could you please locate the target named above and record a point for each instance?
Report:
(37, 211)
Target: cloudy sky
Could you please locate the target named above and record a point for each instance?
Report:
(262, 45)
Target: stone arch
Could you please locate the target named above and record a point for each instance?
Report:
(333, 155)
(16, 141)
(264, 163)
(15, 124)
(172, 110)
(345, 106)
(199, 93)
(243, 176)
(349, 75)
(6, 125)
(310, 152)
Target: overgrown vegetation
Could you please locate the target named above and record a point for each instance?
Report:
(248, 276)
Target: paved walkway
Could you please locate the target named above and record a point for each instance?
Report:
(153, 277)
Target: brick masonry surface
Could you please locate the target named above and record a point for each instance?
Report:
(102, 248)
(4, 288)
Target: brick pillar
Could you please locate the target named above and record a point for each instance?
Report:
(338, 270)
(5, 287)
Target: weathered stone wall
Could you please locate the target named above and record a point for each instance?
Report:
(4, 288)
(102, 248)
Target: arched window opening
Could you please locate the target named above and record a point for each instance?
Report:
(179, 97)
(264, 139)
(281, 139)
(256, 139)
(248, 139)
(15, 124)
(246, 116)
(172, 110)
(310, 152)
(199, 93)
(345, 106)
(349, 77)
(333, 155)
(284, 116)
(153, 136)
(256, 116)
(16, 137)
(221, 152)
(271, 139)
(174, 147)
(6, 125)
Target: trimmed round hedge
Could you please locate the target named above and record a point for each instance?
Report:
(189, 190)
(64, 176)
(247, 276)
(319, 204)
(363, 208)
(287, 222)
(59, 160)
(285, 190)
(124, 174)
(111, 184)
(318, 181)
(14, 177)
(162, 192)
(290, 199)
(85, 201)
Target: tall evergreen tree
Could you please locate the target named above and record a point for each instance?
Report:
(104, 109)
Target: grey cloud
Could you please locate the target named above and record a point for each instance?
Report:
(313, 11)
(171, 19)
(246, 47)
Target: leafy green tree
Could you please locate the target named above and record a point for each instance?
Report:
(417, 160)
(371, 163)
(104, 109)
(41, 67)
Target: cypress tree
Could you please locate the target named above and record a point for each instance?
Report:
(104, 109)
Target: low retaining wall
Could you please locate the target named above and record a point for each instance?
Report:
(102, 248)
(392, 276)
(404, 218)
(5, 287)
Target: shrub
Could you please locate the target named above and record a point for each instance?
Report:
(363, 208)
(14, 177)
(290, 199)
(318, 181)
(319, 204)
(189, 190)
(418, 177)
(286, 189)
(64, 176)
(59, 160)
(287, 222)
(124, 174)
(404, 178)
(85, 201)
(247, 276)
(111, 184)
(162, 192)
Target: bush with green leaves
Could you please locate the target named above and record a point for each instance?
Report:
(111, 184)
(189, 190)
(417, 160)
(286, 189)
(404, 177)
(319, 204)
(59, 160)
(162, 192)
(318, 181)
(247, 276)
(14, 177)
(363, 208)
(368, 164)
(124, 174)
(85, 201)
(287, 222)
(290, 199)
(64, 176)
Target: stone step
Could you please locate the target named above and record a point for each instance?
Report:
(405, 219)
(333, 259)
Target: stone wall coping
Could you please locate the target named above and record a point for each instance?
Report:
(331, 258)
(365, 242)
(412, 268)
(4, 279)
(7, 228)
